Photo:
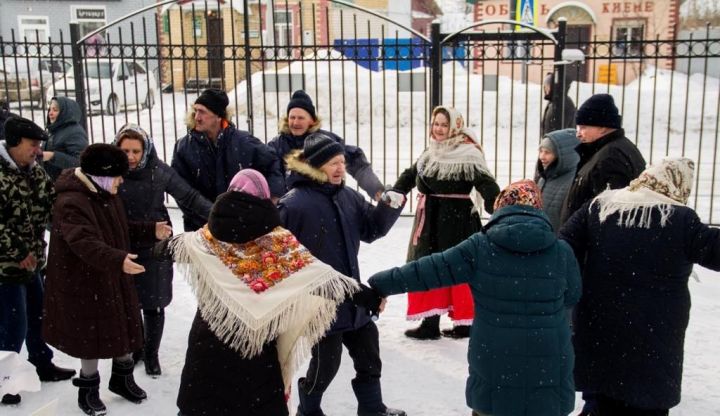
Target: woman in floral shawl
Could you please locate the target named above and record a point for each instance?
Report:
(454, 185)
(263, 301)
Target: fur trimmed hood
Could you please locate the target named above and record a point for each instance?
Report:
(296, 164)
(190, 116)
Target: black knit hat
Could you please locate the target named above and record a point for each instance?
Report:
(319, 148)
(300, 99)
(215, 100)
(17, 128)
(101, 159)
(238, 217)
(599, 110)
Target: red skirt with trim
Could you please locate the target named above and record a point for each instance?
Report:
(455, 300)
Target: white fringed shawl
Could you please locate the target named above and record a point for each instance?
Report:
(635, 206)
(297, 311)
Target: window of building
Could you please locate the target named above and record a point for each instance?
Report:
(34, 28)
(628, 36)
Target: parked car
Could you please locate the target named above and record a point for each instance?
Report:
(111, 85)
(27, 78)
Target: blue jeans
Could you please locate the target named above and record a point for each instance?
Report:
(21, 308)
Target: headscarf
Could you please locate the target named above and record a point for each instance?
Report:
(661, 186)
(251, 182)
(524, 192)
(147, 141)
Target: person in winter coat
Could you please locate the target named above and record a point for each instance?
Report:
(91, 309)
(455, 184)
(636, 247)
(523, 279)
(301, 121)
(26, 197)
(549, 122)
(214, 150)
(67, 137)
(607, 158)
(555, 171)
(263, 300)
(143, 194)
(4, 115)
(331, 219)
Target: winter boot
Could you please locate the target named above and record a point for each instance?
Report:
(309, 402)
(138, 356)
(154, 323)
(369, 397)
(122, 382)
(457, 332)
(10, 399)
(51, 372)
(89, 395)
(428, 329)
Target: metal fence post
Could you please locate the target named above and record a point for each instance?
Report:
(435, 65)
(248, 67)
(77, 60)
(558, 89)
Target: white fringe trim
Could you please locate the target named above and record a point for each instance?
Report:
(634, 207)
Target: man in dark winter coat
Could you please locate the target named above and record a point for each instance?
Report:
(607, 158)
(331, 219)
(26, 198)
(301, 121)
(552, 111)
(214, 150)
(67, 137)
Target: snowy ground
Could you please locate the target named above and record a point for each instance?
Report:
(424, 378)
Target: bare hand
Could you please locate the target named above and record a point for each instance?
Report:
(130, 267)
(29, 263)
(162, 230)
(381, 308)
(48, 155)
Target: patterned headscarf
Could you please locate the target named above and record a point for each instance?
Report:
(147, 141)
(524, 192)
(458, 131)
(672, 177)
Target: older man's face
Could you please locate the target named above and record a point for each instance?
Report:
(26, 152)
(589, 134)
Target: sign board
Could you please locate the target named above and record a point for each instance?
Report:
(526, 12)
(87, 13)
(607, 74)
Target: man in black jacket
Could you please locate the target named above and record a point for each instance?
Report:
(607, 158)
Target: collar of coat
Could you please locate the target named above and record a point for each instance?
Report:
(586, 150)
(295, 163)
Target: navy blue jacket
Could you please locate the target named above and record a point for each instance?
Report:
(67, 138)
(631, 320)
(331, 220)
(209, 167)
(522, 279)
(357, 164)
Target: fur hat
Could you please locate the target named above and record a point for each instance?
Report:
(215, 100)
(18, 128)
(524, 192)
(239, 217)
(102, 159)
(251, 182)
(599, 110)
(300, 99)
(319, 148)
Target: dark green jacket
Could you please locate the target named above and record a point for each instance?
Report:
(67, 138)
(522, 279)
(26, 198)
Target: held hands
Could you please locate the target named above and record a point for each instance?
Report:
(162, 230)
(29, 263)
(370, 299)
(47, 155)
(130, 267)
(393, 198)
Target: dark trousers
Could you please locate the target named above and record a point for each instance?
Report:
(21, 308)
(363, 347)
(607, 406)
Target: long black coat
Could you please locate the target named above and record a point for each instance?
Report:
(609, 162)
(331, 220)
(210, 166)
(67, 138)
(143, 194)
(631, 320)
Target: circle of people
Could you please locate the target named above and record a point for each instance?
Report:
(577, 282)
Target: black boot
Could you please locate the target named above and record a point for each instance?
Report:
(429, 329)
(370, 402)
(457, 332)
(138, 356)
(122, 382)
(10, 399)
(154, 324)
(51, 372)
(309, 402)
(89, 394)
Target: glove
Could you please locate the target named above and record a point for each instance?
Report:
(393, 198)
(368, 298)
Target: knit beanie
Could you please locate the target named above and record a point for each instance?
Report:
(17, 128)
(251, 182)
(101, 159)
(549, 145)
(599, 110)
(524, 192)
(215, 100)
(319, 148)
(300, 99)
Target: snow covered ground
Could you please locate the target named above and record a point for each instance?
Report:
(426, 378)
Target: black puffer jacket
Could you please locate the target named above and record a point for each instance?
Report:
(67, 138)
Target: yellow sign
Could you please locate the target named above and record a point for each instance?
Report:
(607, 74)
(526, 12)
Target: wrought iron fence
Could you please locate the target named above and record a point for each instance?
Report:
(372, 80)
